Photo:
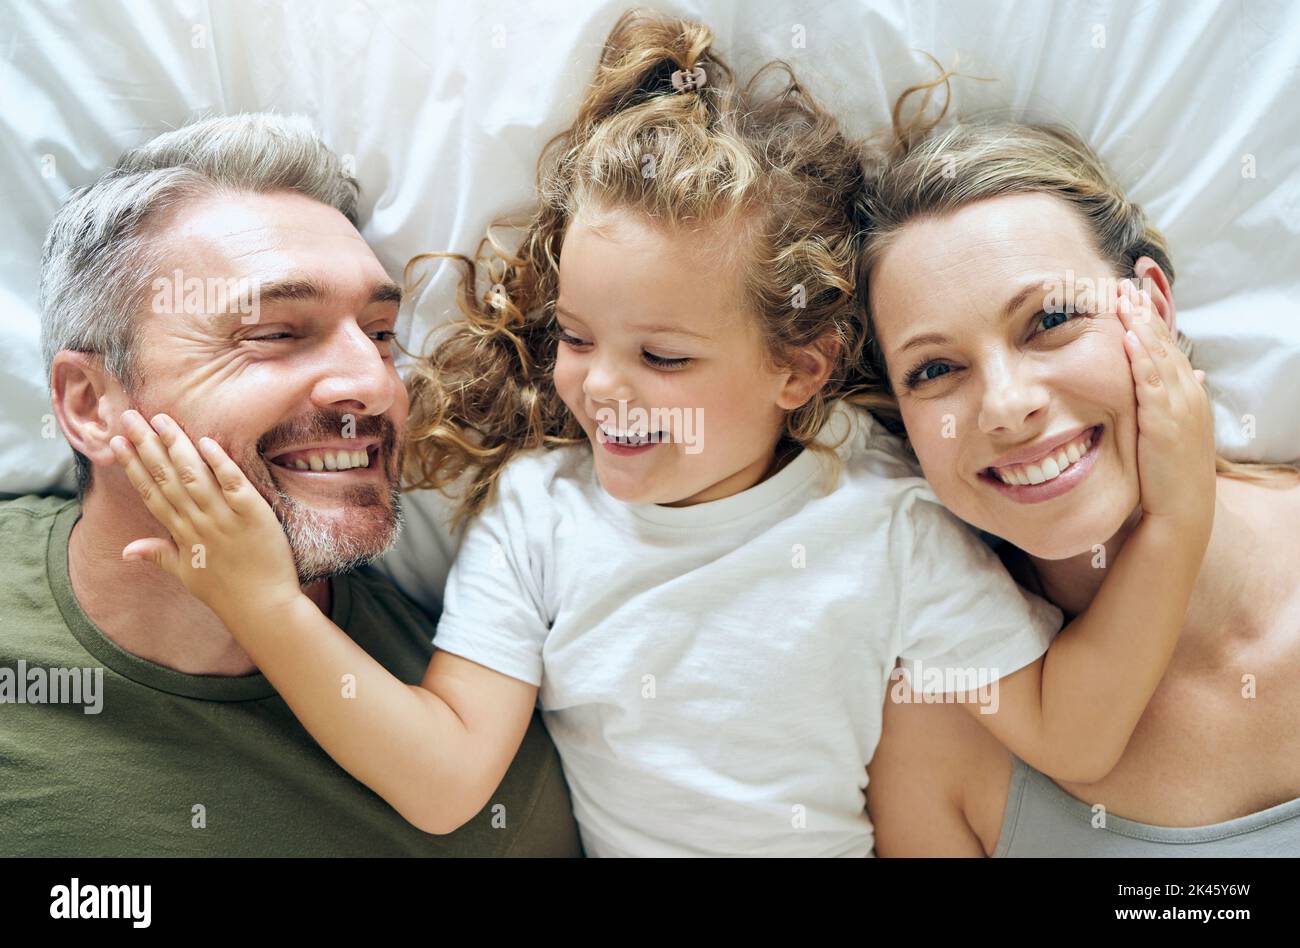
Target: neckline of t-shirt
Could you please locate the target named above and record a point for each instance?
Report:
(796, 474)
(113, 656)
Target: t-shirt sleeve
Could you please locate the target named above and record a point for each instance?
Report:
(494, 610)
(963, 622)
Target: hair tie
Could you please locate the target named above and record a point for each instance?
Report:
(684, 81)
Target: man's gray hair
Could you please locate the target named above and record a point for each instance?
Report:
(99, 263)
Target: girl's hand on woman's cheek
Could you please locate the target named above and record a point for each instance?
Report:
(1176, 469)
(227, 547)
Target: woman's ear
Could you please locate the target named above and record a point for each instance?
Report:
(808, 371)
(1151, 278)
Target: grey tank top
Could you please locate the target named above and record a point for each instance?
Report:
(1041, 819)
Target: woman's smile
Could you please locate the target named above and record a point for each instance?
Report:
(1053, 474)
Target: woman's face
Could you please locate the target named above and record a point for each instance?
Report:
(999, 329)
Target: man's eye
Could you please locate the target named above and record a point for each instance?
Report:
(272, 337)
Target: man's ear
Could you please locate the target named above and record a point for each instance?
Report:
(1151, 278)
(86, 401)
(808, 371)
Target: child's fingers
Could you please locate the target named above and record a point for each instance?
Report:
(1176, 369)
(157, 463)
(1160, 370)
(192, 471)
(162, 553)
(154, 499)
(242, 497)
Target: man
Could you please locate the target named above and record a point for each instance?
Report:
(216, 273)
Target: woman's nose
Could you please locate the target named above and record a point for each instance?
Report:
(1012, 395)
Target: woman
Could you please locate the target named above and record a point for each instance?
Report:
(991, 266)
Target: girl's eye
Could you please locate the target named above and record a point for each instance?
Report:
(564, 336)
(663, 362)
(385, 335)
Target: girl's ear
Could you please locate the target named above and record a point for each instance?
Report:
(1151, 278)
(808, 371)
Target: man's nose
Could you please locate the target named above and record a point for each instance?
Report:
(354, 375)
(1012, 394)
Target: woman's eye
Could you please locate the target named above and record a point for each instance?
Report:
(272, 337)
(664, 362)
(1048, 321)
(928, 373)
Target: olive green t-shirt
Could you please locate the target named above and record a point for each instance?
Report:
(170, 764)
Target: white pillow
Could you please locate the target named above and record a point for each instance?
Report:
(444, 108)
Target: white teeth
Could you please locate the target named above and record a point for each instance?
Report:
(631, 438)
(1050, 467)
(329, 460)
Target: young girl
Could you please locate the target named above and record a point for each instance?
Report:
(690, 542)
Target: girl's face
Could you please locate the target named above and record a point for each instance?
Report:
(654, 343)
(998, 326)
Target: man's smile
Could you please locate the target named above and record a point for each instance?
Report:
(329, 458)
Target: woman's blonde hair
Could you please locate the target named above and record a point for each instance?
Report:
(773, 168)
(924, 171)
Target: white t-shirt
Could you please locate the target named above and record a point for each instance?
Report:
(713, 676)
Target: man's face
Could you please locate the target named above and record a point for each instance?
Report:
(299, 388)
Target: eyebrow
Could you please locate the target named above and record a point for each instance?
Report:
(306, 288)
(644, 327)
(1013, 305)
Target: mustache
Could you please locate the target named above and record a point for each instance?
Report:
(326, 427)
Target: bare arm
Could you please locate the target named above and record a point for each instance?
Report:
(1071, 713)
(915, 781)
(435, 751)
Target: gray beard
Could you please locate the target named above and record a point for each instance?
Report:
(322, 549)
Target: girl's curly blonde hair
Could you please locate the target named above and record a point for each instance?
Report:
(771, 168)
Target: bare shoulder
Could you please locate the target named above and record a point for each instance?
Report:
(937, 783)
